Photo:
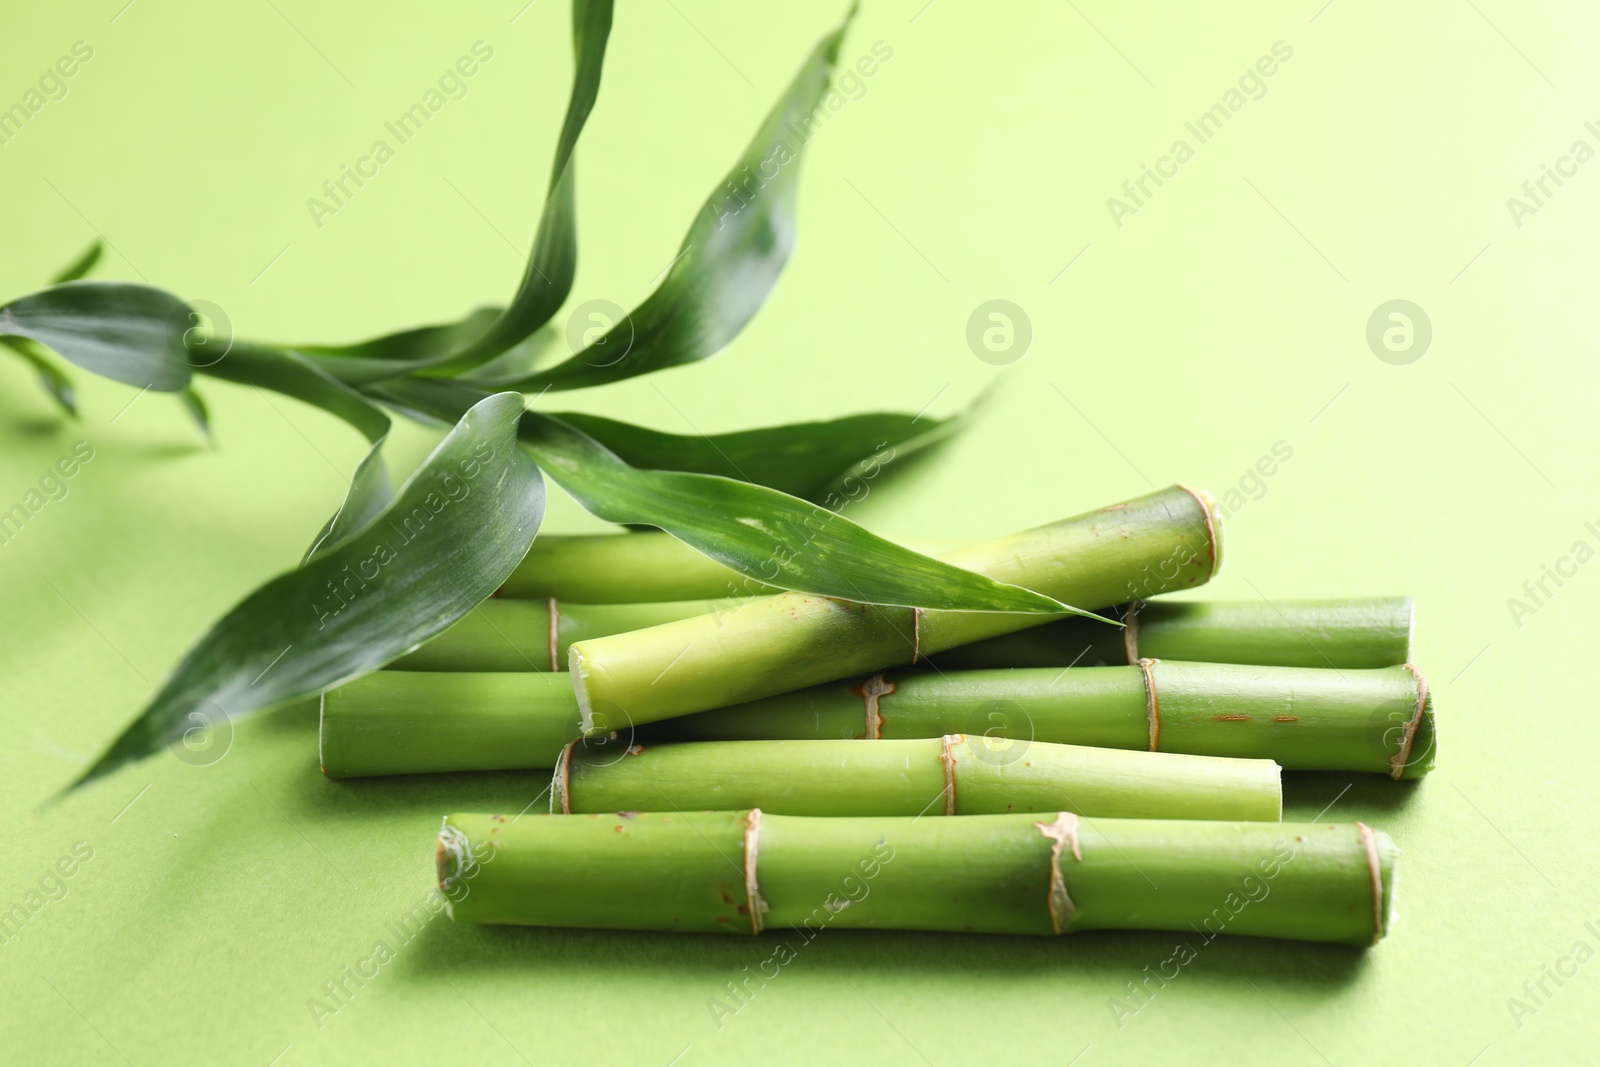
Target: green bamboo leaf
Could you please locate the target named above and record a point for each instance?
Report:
(195, 405)
(287, 372)
(52, 377)
(81, 266)
(487, 333)
(398, 353)
(548, 278)
(764, 534)
(729, 260)
(810, 460)
(457, 528)
(293, 375)
(130, 333)
(370, 493)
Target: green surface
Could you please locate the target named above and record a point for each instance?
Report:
(1228, 314)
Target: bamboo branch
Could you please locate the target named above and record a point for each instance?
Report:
(745, 871)
(1337, 634)
(1377, 721)
(623, 569)
(536, 635)
(1161, 542)
(952, 775)
(514, 635)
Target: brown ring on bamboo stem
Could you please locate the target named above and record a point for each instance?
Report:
(1402, 757)
(1370, 842)
(1062, 832)
(554, 631)
(752, 891)
(1208, 507)
(1152, 703)
(947, 756)
(872, 690)
(1130, 630)
(562, 781)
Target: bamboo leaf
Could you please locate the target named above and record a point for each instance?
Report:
(81, 266)
(457, 528)
(287, 372)
(52, 377)
(293, 375)
(764, 534)
(398, 353)
(130, 333)
(810, 460)
(195, 405)
(729, 260)
(449, 349)
(548, 278)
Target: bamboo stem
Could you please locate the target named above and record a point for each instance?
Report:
(1373, 632)
(517, 635)
(410, 722)
(1378, 720)
(952, 775)
(623, 569)
(745, 871)
(514, 635)
(1164, 541)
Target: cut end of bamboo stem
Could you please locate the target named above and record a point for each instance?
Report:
(580, 687)
(1414, 757)
(451, 859)
(1213, 519)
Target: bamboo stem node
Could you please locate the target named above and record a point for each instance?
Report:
(1063, 832)
(872, 691)
(752, 890)
(553, 635)
(1152, 702)
(947, 759)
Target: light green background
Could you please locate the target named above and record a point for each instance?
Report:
(1228, 314)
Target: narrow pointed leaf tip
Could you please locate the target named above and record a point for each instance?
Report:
(729, 260)
(770, 537)
(456, 529)
(449, 349)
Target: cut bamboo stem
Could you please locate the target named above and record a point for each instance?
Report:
(1377, 720)
(515, 635)
(950, 775)
(412, 722)
(536, 635)
(1339, 634)
(1165, 541)
(623, 569)
(745, 871)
